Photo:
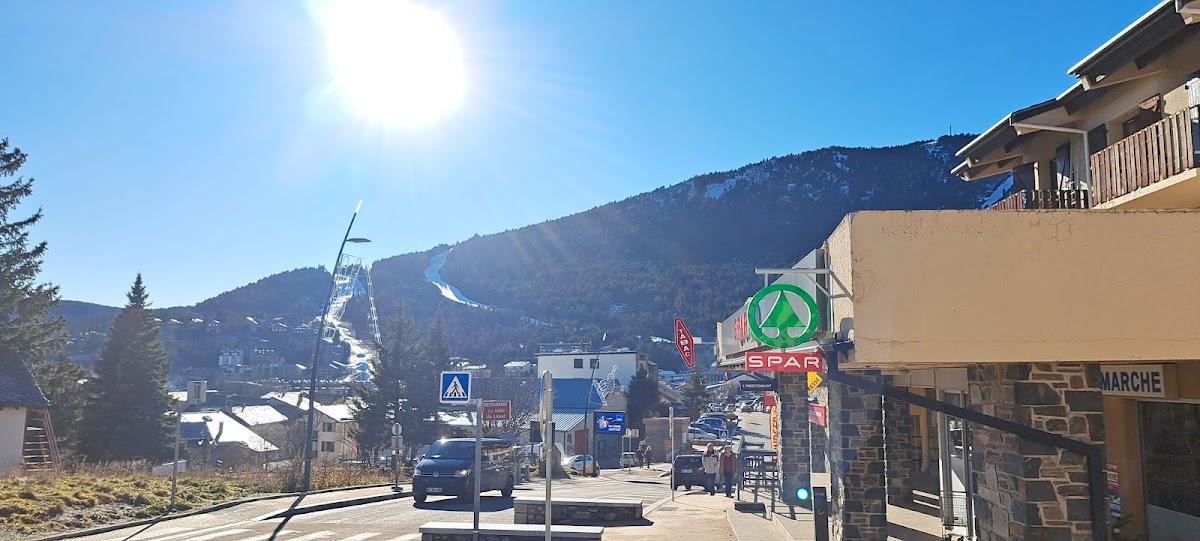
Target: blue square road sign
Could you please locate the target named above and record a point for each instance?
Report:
(455, 388)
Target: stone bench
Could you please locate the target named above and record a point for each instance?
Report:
(458, 531)
(577, 511)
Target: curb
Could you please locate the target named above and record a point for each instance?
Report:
(218, 507)
(654, 506)
(339, 504)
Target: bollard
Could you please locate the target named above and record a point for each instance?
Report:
(820, 504)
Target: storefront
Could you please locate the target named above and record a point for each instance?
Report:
(1152, 419)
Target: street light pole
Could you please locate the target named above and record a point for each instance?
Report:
(310, 435)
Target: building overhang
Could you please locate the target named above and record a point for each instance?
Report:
(1138, 44)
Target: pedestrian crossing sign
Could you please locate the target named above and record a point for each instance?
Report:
(456, 388)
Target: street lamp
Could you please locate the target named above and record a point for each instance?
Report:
(310, 435)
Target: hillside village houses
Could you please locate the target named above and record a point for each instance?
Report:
(1037, 362)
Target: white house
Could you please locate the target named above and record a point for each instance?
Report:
(582, 364)
(20, 400)
(335, 424)
(518, 369)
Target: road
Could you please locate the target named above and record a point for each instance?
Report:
(394, 520)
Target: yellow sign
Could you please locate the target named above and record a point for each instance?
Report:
(814, 381)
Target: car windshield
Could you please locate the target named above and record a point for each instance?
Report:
(687, 461)
(455, 450)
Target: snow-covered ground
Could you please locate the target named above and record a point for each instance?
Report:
(433, 275)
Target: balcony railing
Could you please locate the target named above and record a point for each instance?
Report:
(1043, 199)
(1160, 151)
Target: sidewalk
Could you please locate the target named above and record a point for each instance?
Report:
(693, 515)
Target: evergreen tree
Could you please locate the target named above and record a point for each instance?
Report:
(26, 334)
(382, 399)
(422, 383)
(695, 393)
(127, 415)
(62, 382)
(643, 399)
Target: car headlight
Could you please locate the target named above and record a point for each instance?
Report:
(462, 473)
(417, 472)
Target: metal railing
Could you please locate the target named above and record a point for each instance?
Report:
(1043, 199)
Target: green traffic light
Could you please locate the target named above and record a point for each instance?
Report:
(803, 494)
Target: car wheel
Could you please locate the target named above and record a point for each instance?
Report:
(687, 487)
(419, 497)
(507, 491)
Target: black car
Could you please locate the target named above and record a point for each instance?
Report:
(689, 470)
(448, 469)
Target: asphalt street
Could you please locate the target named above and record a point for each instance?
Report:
(394, 520)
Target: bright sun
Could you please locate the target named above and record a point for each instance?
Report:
(395, 62)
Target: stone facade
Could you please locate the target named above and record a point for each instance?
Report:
(899, 450)
(458, 531)
(578, 512)
(819, 436)
(1028, 491)
(858, 508)
(794, 461)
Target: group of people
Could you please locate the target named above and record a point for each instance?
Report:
(720, 469)
(645, 456)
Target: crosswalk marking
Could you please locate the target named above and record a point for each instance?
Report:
(313, 536)
(360, 536)
(266, 536)
(157, 532)
(407, 537)
(215, 535)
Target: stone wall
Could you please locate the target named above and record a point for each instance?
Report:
(578, 512)
(658, 436)
(858, 509)
(819, 436)
(794, 461)
(1028, 491)
(899, 450)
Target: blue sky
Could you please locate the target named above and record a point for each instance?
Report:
(200, 144)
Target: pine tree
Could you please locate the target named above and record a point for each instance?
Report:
(26, 334)
(422, 383)
(643, 399)
(62, 381)
(382, 399)
(695, 393)
(127, 416)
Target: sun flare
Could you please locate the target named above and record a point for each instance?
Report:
(394, 61)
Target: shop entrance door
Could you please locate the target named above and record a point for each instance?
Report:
(955, 468)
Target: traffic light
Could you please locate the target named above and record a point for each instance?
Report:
(803, 495)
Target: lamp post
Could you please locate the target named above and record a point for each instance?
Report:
(310, 436)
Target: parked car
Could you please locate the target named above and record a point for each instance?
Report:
(448, 468)
(701, 434)
(688, 470)
(716, 423)
(581, 464)
(628, 459)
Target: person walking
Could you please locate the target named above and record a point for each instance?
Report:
(712, 465)
(728, 469)
(649, 456)
(641, 456)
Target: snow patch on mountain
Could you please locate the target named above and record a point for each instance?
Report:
(715, 191)
(433, 275)
(839, 160)
(1001, 190)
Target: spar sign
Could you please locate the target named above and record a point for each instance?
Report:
(790, 319)
(791, 316)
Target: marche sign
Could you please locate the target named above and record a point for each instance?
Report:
(456, 388)
(784, 326)
(684, 343)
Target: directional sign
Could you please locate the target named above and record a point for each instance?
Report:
(497, 410)
(684, 343)
(782, 361)
(814, 380)
(456, 388)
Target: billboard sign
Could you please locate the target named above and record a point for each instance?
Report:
(610, 422)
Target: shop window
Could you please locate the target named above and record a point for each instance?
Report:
(1171, 455)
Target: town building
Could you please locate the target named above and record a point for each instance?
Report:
(579, 361)
(26, 435)
(1041, 358)
(519, 369)
(334, 424)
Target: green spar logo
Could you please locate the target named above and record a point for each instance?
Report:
(789, 330)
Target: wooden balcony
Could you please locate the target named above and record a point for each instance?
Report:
(1043, 199)
(1158, 152)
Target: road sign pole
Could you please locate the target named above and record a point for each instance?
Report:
(547, 418)
(478, 462)
(671, 427)
(397, 445)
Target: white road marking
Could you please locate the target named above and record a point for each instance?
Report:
(360, 536)
(407, 537)
(157, 532)
(265, 536)
(234, 531)
(313, 536)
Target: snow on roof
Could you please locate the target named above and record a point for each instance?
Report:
(258, 415)
(225, 429)
(517, 364)
(337, 412)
